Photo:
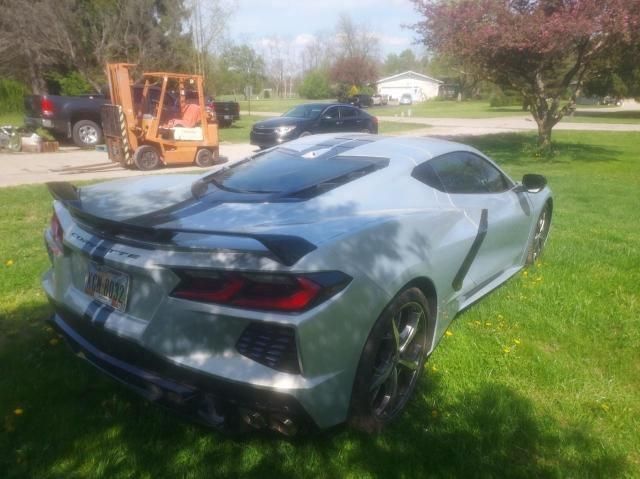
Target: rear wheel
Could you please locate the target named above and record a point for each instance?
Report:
(391, 362)
(86, 134)
(540, 235)
(146, 158)
(205, 158)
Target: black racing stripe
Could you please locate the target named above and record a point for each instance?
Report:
(471, 255)
(91, 310)
(102, 315)
(100, 251)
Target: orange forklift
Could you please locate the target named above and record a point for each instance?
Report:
(162, 120)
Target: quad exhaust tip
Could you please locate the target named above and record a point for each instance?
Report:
(275, 422)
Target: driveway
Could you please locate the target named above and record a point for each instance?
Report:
(74, 164)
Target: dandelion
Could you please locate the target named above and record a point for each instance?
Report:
(9, 262)
(434, 369)
(525, 273)
(604, 406)
(539, 278)
(478, 322)
(517, 341)
(488, 323)
(500, 317)
(18, 411)
(448, 333)
(506, 350)
(53, 341)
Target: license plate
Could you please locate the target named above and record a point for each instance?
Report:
(228, 117)
(107, 285)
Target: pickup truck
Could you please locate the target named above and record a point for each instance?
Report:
(78, 117)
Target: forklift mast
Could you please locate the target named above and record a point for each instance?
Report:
(119, 118)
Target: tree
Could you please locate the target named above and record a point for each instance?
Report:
(398, 63)
(240, 67)
(541, 48)
(357, 51)
(38, 37)
(315, 85)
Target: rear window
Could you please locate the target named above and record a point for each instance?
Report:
(286, 171)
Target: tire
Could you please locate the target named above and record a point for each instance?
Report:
(540, 235)
(146, 158)
(86, 134)
(206, 158)
(391, 362)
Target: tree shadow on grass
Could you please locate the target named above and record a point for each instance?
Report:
(77, 423)
(521, 149)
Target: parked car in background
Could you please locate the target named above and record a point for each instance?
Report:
(379, 99)
(309, 119)
(306, 285)
(76, 117)
(226, 111)
(360, 100)
(406, 99)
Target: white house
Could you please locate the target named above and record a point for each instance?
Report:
(420, 87)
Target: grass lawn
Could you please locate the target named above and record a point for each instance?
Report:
(604, 116)
(448, 109)
(14, 119)
(540, 379)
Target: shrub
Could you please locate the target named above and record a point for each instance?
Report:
(315, 86)
(71, 83)
(11, 96)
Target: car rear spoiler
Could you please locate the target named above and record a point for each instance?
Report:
(285, 249)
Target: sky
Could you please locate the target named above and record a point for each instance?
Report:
(254, 21)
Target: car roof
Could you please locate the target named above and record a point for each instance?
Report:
(405, 149)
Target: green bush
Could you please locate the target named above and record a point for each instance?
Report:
(315, 86)
(71, 83)
(498, 98)
(11, 96)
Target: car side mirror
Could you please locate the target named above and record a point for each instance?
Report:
(533, 183)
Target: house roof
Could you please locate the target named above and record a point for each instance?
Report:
(409, 73)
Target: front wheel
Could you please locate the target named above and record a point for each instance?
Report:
(540, 235)
(146, 158)
(391, 362)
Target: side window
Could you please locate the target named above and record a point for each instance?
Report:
(331, 113)
(348, 112)
(464, 173)
(427, 175)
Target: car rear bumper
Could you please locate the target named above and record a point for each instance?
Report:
(198, 396)
(58, 126)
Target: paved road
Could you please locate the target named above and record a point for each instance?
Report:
(74, 164)
(483, 126)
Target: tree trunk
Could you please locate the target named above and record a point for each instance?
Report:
(544, 135)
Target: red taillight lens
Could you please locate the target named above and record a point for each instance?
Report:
(46, 106)
(268, 292)
(56, 234)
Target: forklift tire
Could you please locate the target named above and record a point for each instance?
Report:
(205, 158)
(146, 158)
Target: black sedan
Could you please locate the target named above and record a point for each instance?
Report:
(309, 119)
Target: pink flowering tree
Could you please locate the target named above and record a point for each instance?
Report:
(541, 48)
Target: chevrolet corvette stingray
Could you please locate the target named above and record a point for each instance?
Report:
(304, 286)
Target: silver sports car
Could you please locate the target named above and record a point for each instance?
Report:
(305, 285)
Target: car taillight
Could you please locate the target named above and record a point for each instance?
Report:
(57, 234)
(261, 291)
(46, 106)
(375, 119)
